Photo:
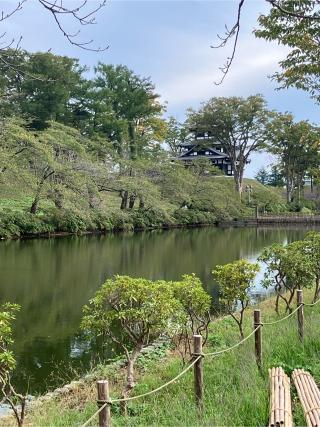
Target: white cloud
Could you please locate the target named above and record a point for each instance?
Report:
(255, 60)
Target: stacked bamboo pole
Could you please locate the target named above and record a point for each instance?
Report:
(309, 396)
(280, 399)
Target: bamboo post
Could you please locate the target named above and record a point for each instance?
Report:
(300, 314)
(257, 337)
(103, 397)
(198, 371)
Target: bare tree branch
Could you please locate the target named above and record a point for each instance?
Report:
(229, 34)
(235, 31)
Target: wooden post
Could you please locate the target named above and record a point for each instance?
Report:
(300, 314)
(257, 337)
(257, 211)
(103, 396)
(198, 371)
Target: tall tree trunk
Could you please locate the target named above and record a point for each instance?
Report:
(238, 178)
(132, 138)
(124, 199)
(34, 206)
(141, 203)
(132, 199)
(35, 203)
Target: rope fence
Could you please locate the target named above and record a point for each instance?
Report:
(105, 402)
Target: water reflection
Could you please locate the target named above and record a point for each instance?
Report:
(53, 278)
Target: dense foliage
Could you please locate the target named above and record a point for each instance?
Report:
(95, 158)
(235, 280)
(295, 25)
(133, 313)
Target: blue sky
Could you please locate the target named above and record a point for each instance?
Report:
(170, 42)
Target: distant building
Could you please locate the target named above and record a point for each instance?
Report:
(203, 145)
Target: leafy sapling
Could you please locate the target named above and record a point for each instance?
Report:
(289, 268)
(196, 304)
(235, 280)
(16, 400)
(312, 250)
(133, 313)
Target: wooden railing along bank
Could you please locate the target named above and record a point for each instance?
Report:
(271, 218)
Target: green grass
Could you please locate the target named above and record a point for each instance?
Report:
(235, 394)
(218, 201)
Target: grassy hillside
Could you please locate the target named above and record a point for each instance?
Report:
(219, 201)
(236, 393)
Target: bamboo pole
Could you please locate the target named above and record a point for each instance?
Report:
(280, 399)
(198, 371)
(103, 397)
(300, 314)
(257, 337)
(309, 396)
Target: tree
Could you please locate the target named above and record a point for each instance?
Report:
(297, 147)
(238, 124)
(177, 134)
(48, 90)
(16, 400)
(262, 176)
(196, 303)
(235, 280)
(132, 313)
(312, 250)
(129, 108)
(289, 26)
(276, 177)
(288, 268)
(78, 12)
(293, 23)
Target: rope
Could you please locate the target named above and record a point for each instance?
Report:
(159, 388)
(94, 415)
(283, 318)
(311, 305)
(216, 353)
(234, 346)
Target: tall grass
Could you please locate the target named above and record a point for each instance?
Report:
(236, 392)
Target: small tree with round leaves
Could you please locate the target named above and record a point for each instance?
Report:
(235, 280)
(16, 400)
(196, 304)
(133, 312)
(312, 250)
(289, 268)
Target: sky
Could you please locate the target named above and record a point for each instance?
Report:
(169, 41)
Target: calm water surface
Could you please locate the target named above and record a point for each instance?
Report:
(53, 278)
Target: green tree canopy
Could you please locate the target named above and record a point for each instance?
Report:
(235, 280)
(297, 29)
(133, 313)
(296, 145)
(238, 124)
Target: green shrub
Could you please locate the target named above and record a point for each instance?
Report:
(68, 221)
(122, 220)
(17, 223)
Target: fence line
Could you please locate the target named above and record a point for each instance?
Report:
(126, 399)
(255, 330)
(216, 353)
(283, 318)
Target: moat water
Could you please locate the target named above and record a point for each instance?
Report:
(53, 278)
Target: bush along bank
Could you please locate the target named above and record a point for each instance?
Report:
(220, 203)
